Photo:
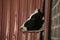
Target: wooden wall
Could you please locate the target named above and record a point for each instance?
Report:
(12, 15)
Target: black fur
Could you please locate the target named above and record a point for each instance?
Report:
(36, 22)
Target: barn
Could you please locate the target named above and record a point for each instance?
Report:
(12, 15)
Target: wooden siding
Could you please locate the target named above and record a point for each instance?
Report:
(12, 15)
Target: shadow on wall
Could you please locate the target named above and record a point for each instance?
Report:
(49, 35)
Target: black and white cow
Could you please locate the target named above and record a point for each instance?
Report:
(34, 22)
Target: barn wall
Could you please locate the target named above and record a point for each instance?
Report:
(55, 24)
(12, 15)
(0, 16)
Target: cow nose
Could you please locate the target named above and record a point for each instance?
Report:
(21, 29)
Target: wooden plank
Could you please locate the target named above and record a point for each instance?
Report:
(0, 16)
(4, 20)
(38, 4)
(14, 19)
(19, 20)
(47, 14)
(8, 19)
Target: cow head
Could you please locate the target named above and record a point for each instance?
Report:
(34, 22)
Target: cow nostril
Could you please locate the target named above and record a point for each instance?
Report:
(21, 29)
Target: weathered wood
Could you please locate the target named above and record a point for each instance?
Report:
(47, 14)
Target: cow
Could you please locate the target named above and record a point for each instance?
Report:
(34, 22)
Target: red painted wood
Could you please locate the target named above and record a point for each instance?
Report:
(19, 21)
(7, 18)
(0, 16)
(47, 14)
(4, 20)
(14, 19)
(14, 13)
